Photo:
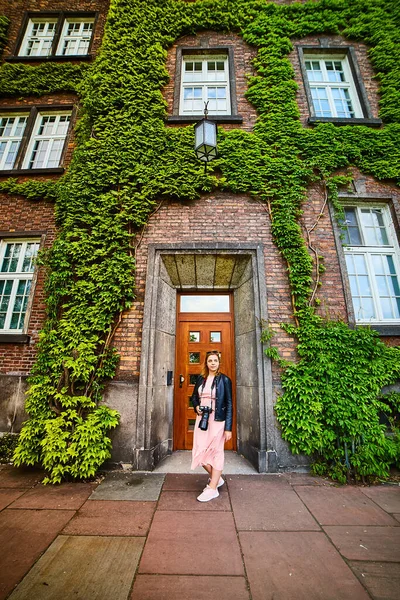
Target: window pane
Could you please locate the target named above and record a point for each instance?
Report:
(320, 102)
(334, 71)
(342, 102)
(314, 72)
(361, 290)
(11, 257)
(215, 336)
(374, 227)
(351, 231)
(209, 304)
(191, 424)
(192, 379)
(194, 358)
(194, 336)
(11, 131)
(387, 285)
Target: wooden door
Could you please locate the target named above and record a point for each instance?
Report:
(197, 333)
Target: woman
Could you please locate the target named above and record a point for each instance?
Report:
(212, 389)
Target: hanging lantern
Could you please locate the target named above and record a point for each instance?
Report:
(205, 145)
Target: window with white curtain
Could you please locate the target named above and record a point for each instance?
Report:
(332, 87)
(372, 260)
(33, 140)
(205, 79)
(16, 272)
(12, 129)
(47, 141)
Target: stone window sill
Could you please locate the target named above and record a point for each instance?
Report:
(14, 338)
(50, 58)
(197, 118)
(384, 330)
(336, 121)
(53, 171)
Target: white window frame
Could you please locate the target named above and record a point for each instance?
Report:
(37, 139)
(328, 86)
(40, 39)
(17, 276)
(368, 251)
(78, 38)
(12, 141)
(204, 83)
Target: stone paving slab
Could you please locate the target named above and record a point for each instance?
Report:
(262, 503)
(183, 543)
(129, 486)
(366, 543)
(180, 587)
(306, 479)
(382, 580)
(297, 566)
(342, 506)
(79, 568)
(8, 495)
(110, 517)
(387, 497)
(185, 483)
(188, 501)
(68, 496)
(11, 477)
(24, 535)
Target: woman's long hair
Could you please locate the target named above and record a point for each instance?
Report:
(205, 371)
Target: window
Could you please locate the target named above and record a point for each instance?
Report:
(205, 79)
(372, 260)
(59, 35)
(47, 141)
(43, 132)
(75, 37)
(12, 128)
(38, 37)
(16, 273)
(332, 89)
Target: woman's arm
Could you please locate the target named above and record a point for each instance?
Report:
(195, 399)
(228, 400)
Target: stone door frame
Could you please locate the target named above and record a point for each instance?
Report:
(256, 427)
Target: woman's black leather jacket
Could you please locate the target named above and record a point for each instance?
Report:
(223, 399)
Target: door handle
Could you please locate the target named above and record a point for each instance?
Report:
(181, 380)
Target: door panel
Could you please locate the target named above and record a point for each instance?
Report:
(197, 333)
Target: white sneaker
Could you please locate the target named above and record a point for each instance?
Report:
(220, 482)
(208, 494)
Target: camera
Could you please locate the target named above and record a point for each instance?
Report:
(206, 412)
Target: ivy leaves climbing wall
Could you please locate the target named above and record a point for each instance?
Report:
(126, 160)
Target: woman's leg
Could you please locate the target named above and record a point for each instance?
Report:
(208, 468)
(215, 475)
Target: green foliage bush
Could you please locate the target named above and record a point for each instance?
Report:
(127, 160)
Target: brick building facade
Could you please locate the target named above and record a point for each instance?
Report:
(220, 226)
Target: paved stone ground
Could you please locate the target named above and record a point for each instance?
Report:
(141, 536)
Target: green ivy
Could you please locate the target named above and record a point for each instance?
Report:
(127, 160)
(47, 78)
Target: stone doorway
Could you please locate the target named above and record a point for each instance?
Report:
(173, 268)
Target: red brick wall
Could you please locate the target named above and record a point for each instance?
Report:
(17, 214)
(22, 217)
(214, 218)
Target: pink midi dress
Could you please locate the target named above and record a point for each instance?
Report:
(208, 446)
